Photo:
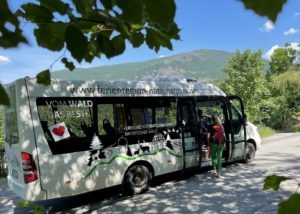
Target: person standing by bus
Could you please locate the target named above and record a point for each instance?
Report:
(216, 139)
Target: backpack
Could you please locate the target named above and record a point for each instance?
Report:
(219, 134)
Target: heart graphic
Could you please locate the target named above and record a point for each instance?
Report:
(59, 131)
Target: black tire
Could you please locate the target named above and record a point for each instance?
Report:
(137, 180)
(250, 153)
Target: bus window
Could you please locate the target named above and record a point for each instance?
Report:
(120, 121)
(237, 122)
(188, 118)
(11, 135)
(106, 120)
(164, 115)
(156, 112)
(141, 116)
(67, 121)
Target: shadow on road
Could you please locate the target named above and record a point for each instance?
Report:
(240, 190)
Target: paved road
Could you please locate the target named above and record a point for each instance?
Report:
(238, 191)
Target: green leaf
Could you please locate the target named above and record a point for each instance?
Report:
(118, 44)
(93, 51)
(68, 64)
(161, 12)
(113, 47)
(84, 7)
(9, 38)
(269, 8)
(44, 77)
(173, 31)
(4, 99)
(51, 36)
(155, 39)
(122, 28)
(105, 45)
(56, 6)
(133, 10)
(108, 4)
(137, 39)
(36, 13)
(76, 42)
(291, 205)
(273, 182)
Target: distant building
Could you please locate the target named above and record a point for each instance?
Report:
(296, 120)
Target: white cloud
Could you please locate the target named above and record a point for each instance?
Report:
(268, 26)
(161, 56)
(4, 59)
(293, 45)
(270, 52)
(297, 14)
(291, 31)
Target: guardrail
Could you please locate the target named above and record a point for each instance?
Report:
(3, 165)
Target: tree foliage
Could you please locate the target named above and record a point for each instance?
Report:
(285, 91)
(91, 28)
(284, 84)
(282, 60)
(245, 78)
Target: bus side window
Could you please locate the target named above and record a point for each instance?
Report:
(106, 120)
(141, 116)
(166, 114)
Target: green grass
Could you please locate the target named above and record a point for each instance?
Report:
(265, 131)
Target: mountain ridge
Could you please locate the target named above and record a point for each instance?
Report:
(202, 65)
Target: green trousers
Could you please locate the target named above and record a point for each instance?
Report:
(216, 154)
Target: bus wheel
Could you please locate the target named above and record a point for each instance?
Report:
(137, 180)
(250, 153)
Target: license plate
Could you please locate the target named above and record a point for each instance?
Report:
(14, 173)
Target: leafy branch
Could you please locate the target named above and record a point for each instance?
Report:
(292, 204)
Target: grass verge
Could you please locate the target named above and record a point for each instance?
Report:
(266, 131)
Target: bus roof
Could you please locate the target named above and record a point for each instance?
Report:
(120, 88)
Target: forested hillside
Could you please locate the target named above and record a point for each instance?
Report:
(202, 65)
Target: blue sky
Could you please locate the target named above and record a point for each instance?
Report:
(205, 24)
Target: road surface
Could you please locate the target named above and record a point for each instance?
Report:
(238, 191)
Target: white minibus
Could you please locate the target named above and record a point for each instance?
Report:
(73, 137)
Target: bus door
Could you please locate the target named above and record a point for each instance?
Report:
(190, 142)
(238, 128)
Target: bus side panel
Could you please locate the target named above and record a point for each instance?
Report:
(65, 174)
(76, 177)
(26, 144)
(60, 174)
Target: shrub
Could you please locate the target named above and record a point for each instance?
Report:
(295, 128)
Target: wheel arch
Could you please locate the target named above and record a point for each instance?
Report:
(141, 162)
(252, 142)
